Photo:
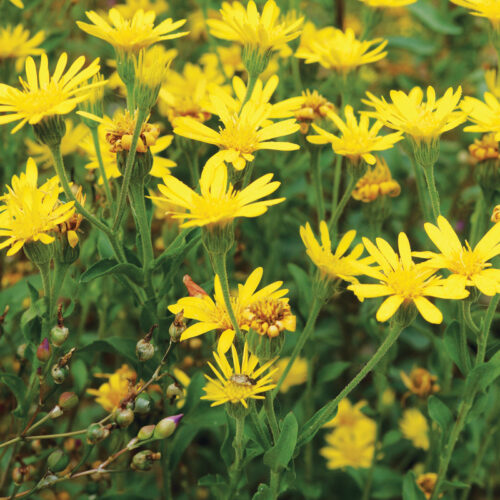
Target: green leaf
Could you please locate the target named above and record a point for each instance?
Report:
(281, 453)
(17, 387)
(415, 45)
(125, 347)
(212, 480)
(111, 266)
(332, 371)
(451, 341)
(410, 489)
(434, 19)
(226, 449)
(484, 375)
(263, 493)
(303, 283)
(178, 246)
(439, 413)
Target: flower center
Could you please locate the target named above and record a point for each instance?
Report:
(408, 283)
(32, 102)
(467, 262)
(239, 386)
(269, 317)
(239, 136)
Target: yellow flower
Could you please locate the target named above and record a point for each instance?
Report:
(485, 116)
(212, 314)
(422, 121)
(131, 35)
(420, 382)
(71, 226)
(70, 143)
(495, 216)
(376, 182)
(161, 165)
(130, 7)
(387, 3)
(482, 8)
(333, 265)
(348, 415)
(404, 282)
(241, 135)
(265, 32)
(427, 482)
(17, 3)
(485, 148)
(183, 380)
(218, 203)
(296, 376)
(314, 107)
(469, 267)
(357, 141)
(490, 76)
(338, 50)
(240, 382)
(120, 384)
(351, 446)
(15, 42)
(45, 96)
(230, 58)
(31, 213)
(414, 427)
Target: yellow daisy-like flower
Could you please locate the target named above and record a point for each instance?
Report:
(422, 121)
(351, 446)
(15, 42)
(414, 427)
(30, 213)
(357, 141)
(336, 265)
(240, 382)
(338, 50)
(130, 7)
(44, 95)
(218, 203)
(420, 382)
(376, 182)
(485, 116)
(348, 415)
(241, 135)
(382, 4)
(489, 9)
(229, 57)
(403, 282)
(485, 149)
(120, 384)
(160, 168)
(296, 376)
(212, 314)
(426, 482)
(131, 35)
(265, 32)
(469, 267)
(17, 3)
(72, 141)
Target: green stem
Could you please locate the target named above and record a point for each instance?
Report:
(313, 425)
(271, 416)
(252, 80)
(248, 175)
(339, 209)
(129, 166)
(316, 174)
(433, 192)
(102, 170)
(274, 484)
(58, 276)
(336, 182)
(479, 219)
(238, 445)
(421, 191)
(463, 348)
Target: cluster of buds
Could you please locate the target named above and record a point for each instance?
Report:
(314, 107)
(60, 370)
(376, 182)
(420, 382)
(144, 349)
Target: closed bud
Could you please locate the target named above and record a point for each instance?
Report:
(166, 427)
(56, 412)
(144, 350)
(57, 461)
(145, 432)
(68, 400)
(21, 474)
(177, 327)
(59, 373)
(124, 417)
(96, 433)
(144, 460)
(173, 391)
(44, 351)
(58, 335)
(143, 403)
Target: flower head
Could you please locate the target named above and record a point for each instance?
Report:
(403, 282)
(489, 9)
(131, 35)
(15, 42)
(30, 213)
(485, 116)
(421, 121)
(420, 382)
(426, 482)
(264, 31)
(338, 50)
(218, 203)
(17, 3)
(130, 7)
(485, 149)
(382, 4)
(414, 427)
(495, 216)
(336, 265)
(314, 107)
(469, 267)
(348, 415)
(296, 376)
(70, 227)
(240, 382)
(376, 182)
(45, 96)
(357, 140)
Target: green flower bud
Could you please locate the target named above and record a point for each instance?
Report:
(173, 391)
(124, 417)
(166, 427)
(96, 433)
(144, 350)
(58, 335)
(57, 461)
(56, 412)
(144, 460)
(68, 400)
(145, 432)
(59, 373)
(143, 403)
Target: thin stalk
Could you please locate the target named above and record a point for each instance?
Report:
(248, 175)
(102, 170)
(252, 80)
(58, 276)
(314, 424)
(274, 484)
(235, 470)
(318, 186)
(339, 209)
(433, 192)
(271, 416)
(261, 433)
(336, 182)
(421, 191)
(463, 351)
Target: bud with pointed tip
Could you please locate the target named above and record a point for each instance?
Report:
(68, 400)
(145, 432)
(166, 427)
(193, 288)
(44, 351)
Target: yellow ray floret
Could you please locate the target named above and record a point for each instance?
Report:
(43, 95)
(240, 382)
(30, 213)
(387, 3)
(485, 116)
(15, 42)
(356, 140)
(489, 9)
(403, 282)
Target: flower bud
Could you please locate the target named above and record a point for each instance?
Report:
(21, 351)
(145, 432)
(56, 412)
(58, 335)
(124, 417)
(21, 474)
(59, 373)
(43, 351)
(177, 327)
(144, 460)
(144, 350)
(173, 391)
(143, 403)
(96, 433)
(68, 400)
(57, 461)
(166, 427)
